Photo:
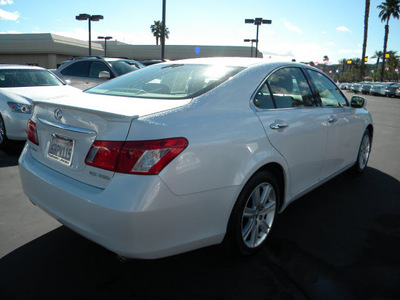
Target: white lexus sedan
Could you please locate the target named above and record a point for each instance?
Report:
(186, 154)
(19, 85)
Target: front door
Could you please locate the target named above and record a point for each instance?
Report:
(343, 125)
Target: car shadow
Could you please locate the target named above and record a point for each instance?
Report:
(342, 240)
(10, 153)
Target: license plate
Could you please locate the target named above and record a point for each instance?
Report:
(61, 149)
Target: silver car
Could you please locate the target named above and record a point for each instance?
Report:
(86, 72)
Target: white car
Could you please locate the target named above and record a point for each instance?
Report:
(186, 154)
(19, 85)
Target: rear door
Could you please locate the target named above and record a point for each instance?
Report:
(294, 124)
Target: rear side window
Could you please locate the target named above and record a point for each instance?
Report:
(285, 88)
(328, 92)
(79, 68)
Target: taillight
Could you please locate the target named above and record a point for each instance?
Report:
(135, 157)
(32, 132)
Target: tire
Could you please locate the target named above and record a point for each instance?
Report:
(3, 137)
(253, 215)
(364, 152)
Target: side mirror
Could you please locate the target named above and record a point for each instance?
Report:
(67, 82)
(104, 75)
(358, 102)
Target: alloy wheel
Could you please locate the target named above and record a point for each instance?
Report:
(258, 215)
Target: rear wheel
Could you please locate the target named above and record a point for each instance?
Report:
(253, 214)
(363, 153)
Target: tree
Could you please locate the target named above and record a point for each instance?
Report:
(343, 62)
(325, 60)
(377, 55)
(389, 8)
(156, 30)
(366, 17)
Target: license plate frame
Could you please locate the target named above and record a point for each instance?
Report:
(61, 149)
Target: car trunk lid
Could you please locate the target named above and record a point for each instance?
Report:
(67, 128)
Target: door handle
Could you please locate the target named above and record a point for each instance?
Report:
(278, 125)
(332, 120)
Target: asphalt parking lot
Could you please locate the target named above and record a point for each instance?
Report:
(341, 241)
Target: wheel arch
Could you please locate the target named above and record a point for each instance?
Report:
(3, 136)
(279, 173)
(371, 130)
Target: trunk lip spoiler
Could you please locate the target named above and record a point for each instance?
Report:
(67, 127)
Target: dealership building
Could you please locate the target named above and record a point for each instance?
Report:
(50, 50)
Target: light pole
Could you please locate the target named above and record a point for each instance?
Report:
(105, 38)
(251, 49)
(163, 30)
(83, 17)
(258, 22)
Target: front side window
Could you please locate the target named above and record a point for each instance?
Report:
(328, 92)
(96, 67)
(285, 88)
(167, 81)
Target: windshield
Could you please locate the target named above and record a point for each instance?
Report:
(171, 81)
(125, 66)
(27, 77)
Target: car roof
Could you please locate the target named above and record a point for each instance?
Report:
(9, 66)
(227, 61)
(98, 58)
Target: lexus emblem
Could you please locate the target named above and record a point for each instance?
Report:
(58, 114)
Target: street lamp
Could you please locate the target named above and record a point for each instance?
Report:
(163, 30)
(258, 22)
(251, 49)
(83, 17)
(105, 38)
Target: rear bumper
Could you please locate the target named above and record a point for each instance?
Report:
(135, 216)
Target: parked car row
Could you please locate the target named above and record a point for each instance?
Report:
(390, 89)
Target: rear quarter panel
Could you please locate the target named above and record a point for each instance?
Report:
(227, 142)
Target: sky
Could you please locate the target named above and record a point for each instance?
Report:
(305, 30)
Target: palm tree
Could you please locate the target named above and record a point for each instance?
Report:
(366, 17)
(377, 55)
(343, 62)
(390, 8)
(156, 30)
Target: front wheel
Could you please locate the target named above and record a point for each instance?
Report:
(363, 153)
(253, 214)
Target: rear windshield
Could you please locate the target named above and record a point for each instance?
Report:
(172, 81)
(24, 78)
